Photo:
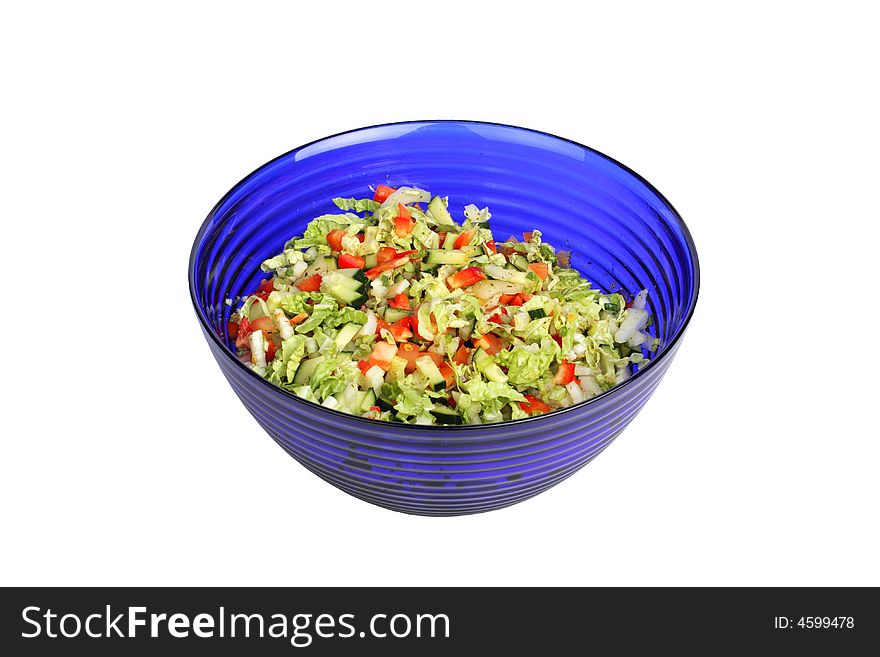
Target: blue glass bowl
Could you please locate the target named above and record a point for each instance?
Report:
(623, 234)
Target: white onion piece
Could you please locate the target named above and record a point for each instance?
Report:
(369, 327)
(406, 195)
(634, 321)
(574, 389)
(640, 300)
(284, 327)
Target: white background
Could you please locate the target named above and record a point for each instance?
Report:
(126, 457)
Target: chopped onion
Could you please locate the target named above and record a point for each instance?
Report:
(369, 327)
(330, 402)
(398, 287)
(299, 268)
(284, 327)
(375, 376)
(574, 389)
(407, 196)
(590, 386)
(640, 300)
(634, 321)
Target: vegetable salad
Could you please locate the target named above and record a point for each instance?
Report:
(392, 310)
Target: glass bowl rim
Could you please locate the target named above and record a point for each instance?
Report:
(442, 428)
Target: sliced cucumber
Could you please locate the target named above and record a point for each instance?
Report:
(482, 360)
(449, 242)
(439, 213)
(367, 401)
(445, 415)
(354, 273)
(442, 257)
(337, 278)
(385, 404)
(347, 296)
(346, 333)
(306, 369)
(519, 262)
(495, 373)
(370, 261)
(537, 313)
(428, 367)
(395, 315)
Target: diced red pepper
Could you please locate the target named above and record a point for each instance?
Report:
(262, 295)
(385, 254)
(414, 323)
(264, 324)
(462, 356)
(517, 300)
(490, 343)
(403, 222)
(442, 237)
(448, 373)
(629, 304)
(232, 330)
(380, 324)
(377, 271)
(382, 193)
(244, 332)
(495, 318)
(400, 330)
(400, 301)
(347, 261)
(505, 299)
(558, 339)
(490, 246)
(376, 408)
(565, 374)
(463, 239)
(452, 401)
(465, 277)
(298, 319)
(363, 366)
(541, 269)
(361, 237)
(270, 351)
(310, 284)
(527, 237)
(534, 405)
(266, 285)
(334, 239)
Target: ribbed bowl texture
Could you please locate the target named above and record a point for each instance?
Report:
(624, 236)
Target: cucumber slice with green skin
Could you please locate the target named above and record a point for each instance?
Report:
(443, 257)
(537, 313)
(449, 242)
(347, 296)
(445, 415)
(439, 213)
(370, 261)
(482, 360)
(519, 262)
(337, 278)
(346, 333)
(368, 401)
(355, 274)
(306, 369)
(385, 404)
(395, 315)
(428, 367)
(495, 373)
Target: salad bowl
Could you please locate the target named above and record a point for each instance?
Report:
(623, 235)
